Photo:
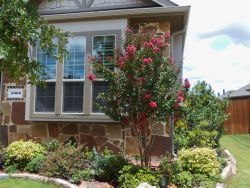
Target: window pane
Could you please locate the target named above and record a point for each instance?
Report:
(103, 48)
(45, 98)
(98, 87)
(73, 97)
(49, 64)
(74, 64)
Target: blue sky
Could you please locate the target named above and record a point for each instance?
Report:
(217, 47)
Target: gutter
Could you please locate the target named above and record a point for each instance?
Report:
(180, 32)
(126, 13)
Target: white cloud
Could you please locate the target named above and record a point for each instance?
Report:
(228, 68)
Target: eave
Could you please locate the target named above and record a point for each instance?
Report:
(122, 13)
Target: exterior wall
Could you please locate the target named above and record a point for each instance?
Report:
(114, 136)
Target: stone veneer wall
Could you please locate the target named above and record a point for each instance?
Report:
(113, 136)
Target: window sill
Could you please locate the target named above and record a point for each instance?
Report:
(71, 118)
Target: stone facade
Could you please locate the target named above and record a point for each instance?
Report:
(109, 135)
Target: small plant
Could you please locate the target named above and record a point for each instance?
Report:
(107, 165)
(200, 161)
(85, 174)
(20, 153)
(131, 176)
(183, 179)
(51, 145)
(65, 162)
(36, 164)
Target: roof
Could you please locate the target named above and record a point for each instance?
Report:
(240, 93)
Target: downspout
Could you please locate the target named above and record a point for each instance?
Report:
(181, 64)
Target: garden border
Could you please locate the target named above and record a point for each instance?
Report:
(229, 170)
(55, 181)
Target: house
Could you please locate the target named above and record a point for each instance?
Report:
(66, 109)
(239, 110)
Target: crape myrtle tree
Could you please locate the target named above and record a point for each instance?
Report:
(21, 28)
(143, 86)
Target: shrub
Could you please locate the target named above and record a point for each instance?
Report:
(85, 174)
(20, 153)
(51, 145)
(201, 180)
(65, 162)
(203, 116)
(200, 161)
(169, 168)
(107, 165)
(36, 164)
(131, 176)
(183, 179)
(199, 136)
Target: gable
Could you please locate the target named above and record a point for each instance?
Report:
(70, 6)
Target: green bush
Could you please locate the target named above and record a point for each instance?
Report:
(202, 115)
(65, 162)
(35, 165)
(107, 165)
(201, 180)
(20, 153)
(200, 161)
(183, 179)
(85, 174)
(51, 145)
(199, 136)
(131, 176)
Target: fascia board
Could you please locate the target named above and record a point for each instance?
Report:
(120, 13)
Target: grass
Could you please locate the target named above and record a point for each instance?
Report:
(239, 146)
(23, 183)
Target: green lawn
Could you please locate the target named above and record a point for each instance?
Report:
(23, 183)
(239, 146)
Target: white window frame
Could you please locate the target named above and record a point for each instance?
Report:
(59, 115)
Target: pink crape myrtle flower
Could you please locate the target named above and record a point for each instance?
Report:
(91, 76)
(147, 60)
(187, 84)
(147, 96)
(130, 49)
(167, 35)
(157, 50)
(152, 104)
(148, 45)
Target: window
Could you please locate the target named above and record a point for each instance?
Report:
(68, 95)
(45, 96)
(73, 76)
(103, 48)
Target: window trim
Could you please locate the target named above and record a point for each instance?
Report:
(87, 115)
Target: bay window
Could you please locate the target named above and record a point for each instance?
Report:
(69, 95)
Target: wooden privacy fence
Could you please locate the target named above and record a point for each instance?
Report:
(239, 120)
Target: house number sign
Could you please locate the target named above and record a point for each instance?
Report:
(15, 93)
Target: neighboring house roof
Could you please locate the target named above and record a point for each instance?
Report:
(240, 93)
(165, 3)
